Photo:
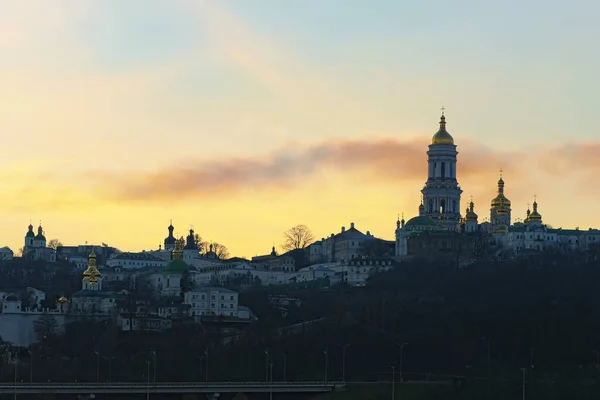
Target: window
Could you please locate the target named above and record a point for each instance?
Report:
(443, 170)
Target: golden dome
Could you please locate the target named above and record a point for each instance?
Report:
(500, 200)
(91, 273)
(63, 299)
(535, 215)
(442, 136)
(470, 214)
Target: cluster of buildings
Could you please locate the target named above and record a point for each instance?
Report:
(153, 289)
(440, 227)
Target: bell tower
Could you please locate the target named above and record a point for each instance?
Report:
(441, 193)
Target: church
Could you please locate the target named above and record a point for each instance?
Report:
(440, 227)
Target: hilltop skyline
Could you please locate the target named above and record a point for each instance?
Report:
(243, 122)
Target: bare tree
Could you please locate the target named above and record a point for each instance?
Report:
(221, 251)
(54, 243)
(298, 237)
(202, 245)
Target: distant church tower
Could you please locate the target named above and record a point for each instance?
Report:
(170, 240)
(441, 194)
(500, 210)
(92, 279)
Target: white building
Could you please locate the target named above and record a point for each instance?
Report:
(343, 247)
(136, 260)
(212, 301)
(35, 246)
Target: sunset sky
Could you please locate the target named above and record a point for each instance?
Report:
(246, 117)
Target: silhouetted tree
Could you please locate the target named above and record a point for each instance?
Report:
(45, 326)
(297, 237)
(54, 243)
(221, 251)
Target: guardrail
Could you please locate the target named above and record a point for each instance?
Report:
(170, 387)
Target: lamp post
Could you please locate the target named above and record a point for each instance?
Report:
(266, 365)
(401, 359)
(393, 382)
(326, 363)
(201, 358)
(206, 367)
(154, 374)
(284, 367)
(97, 353)
(109, 359)
(148, 362)
(16, 373)
(31, 365)
(271, 386)
(343, 346)
(523, 369)
(531, 357)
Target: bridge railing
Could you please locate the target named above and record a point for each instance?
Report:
(173, 384)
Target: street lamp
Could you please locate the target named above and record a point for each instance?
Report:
(531, 357)
(148, 362)
(271, 387)
(284, 367)
(523, 369)
(393, 382)
(343, 346)
(326, 362)
(31, 365)
(16, 359)
(401, 359)
(109, 359)
(266, 365)
(97, 353)
(206, 369)
(155, 363)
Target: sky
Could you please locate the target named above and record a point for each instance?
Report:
(243, 118)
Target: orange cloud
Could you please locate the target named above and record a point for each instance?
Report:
(385, 160)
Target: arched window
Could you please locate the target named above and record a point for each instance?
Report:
(430, 205)
(454, 208)
(443, 170)
(443, 206)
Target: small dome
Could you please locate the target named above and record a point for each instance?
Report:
(62, 299)
(421, 221)
(176, 267)
(442, 136)
(12, 298)
(470, 215)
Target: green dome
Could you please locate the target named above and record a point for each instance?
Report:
(30, 234)
(175, 267)
(420, 221)
(39, 236)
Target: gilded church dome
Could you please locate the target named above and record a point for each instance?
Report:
(500, 200)
(442, 136)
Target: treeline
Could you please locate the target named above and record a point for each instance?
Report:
(484, 322)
